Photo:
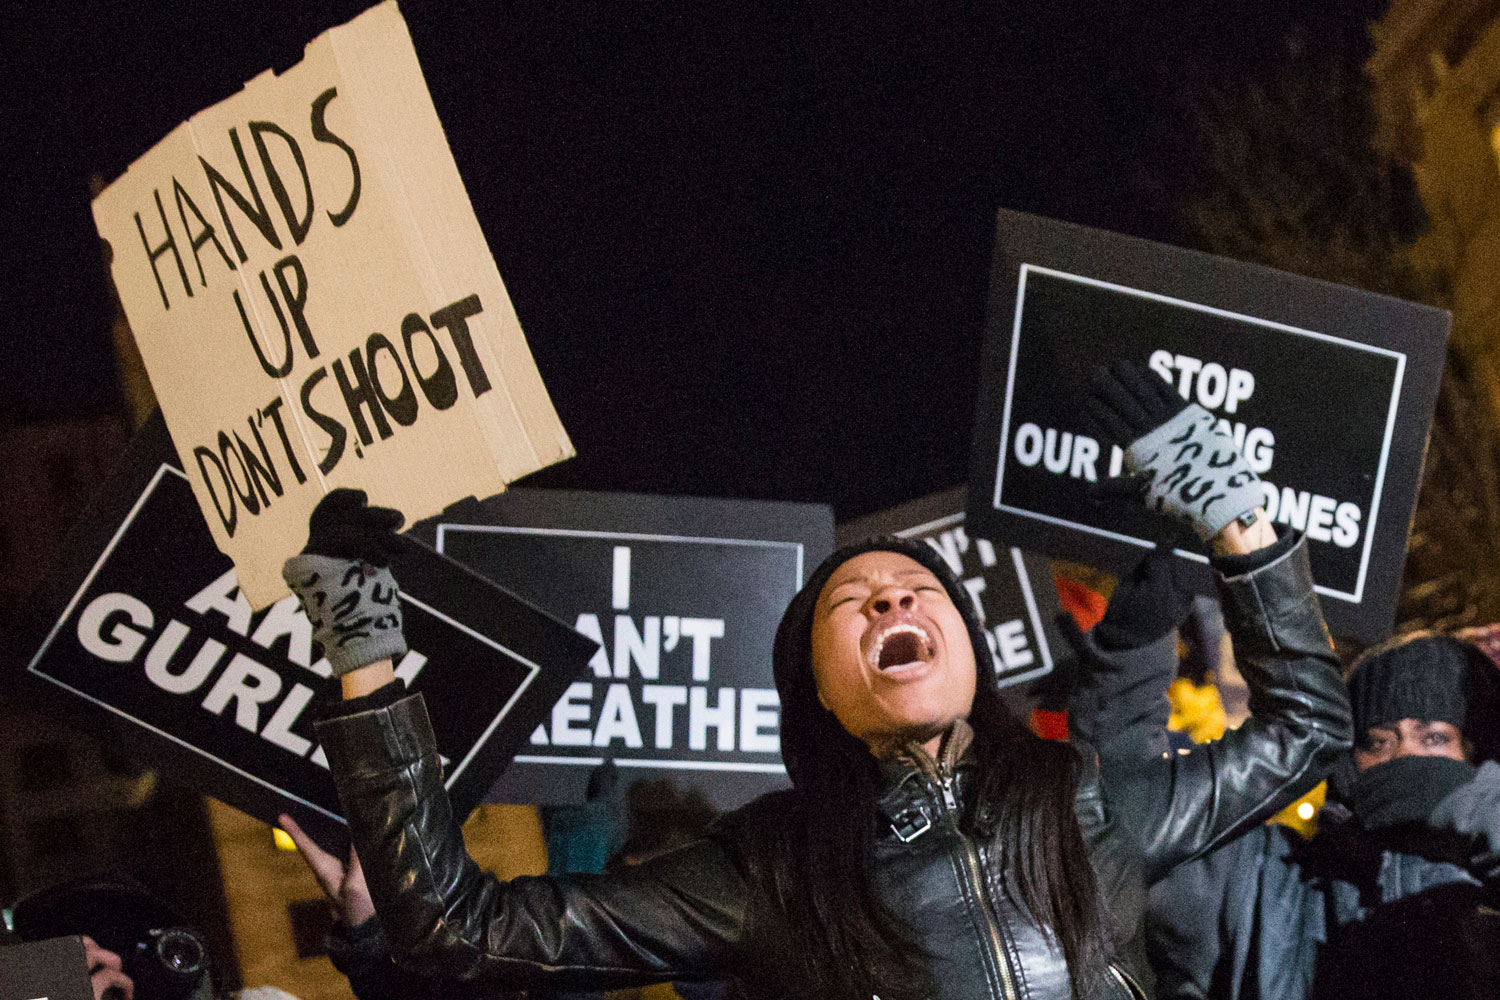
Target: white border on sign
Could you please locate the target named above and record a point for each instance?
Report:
(681, 765)
(1030, 598)
(489, 730)
(135, 509)
(1010, 382)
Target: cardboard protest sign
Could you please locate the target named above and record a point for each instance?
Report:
(316, 304)
(143, 632)
(1328, 391)
(683, 595)
(1012, 589)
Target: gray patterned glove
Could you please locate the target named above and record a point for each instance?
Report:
(344, 581)
(1194, 472)
(354, 609)
(1185, 467)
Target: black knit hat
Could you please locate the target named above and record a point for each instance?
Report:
(1434, 678)
(791, 659)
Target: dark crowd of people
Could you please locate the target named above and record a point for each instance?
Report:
(932, 845)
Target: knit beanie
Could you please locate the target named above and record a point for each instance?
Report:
(1434, 678)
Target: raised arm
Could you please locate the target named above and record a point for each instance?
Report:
(680, 916)
(1184, 805)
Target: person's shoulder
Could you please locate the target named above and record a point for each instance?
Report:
(756, 834)
(771, 810)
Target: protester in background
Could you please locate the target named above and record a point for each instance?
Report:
(582, 838)
(1394, 896)
(136, 946)
(932, 846)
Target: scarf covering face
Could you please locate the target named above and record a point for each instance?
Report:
(1404, 792)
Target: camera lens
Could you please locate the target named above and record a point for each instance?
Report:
(180, 951)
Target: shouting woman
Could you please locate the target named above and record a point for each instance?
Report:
(930, 845)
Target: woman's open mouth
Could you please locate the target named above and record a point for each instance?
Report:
(898, 641)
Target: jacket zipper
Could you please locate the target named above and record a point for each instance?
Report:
(976, 877)
(1131, 989)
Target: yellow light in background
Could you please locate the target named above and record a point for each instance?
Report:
(1302, 815)
(1196, 710)
(283, 839)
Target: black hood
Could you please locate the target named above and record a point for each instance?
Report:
(805, 724)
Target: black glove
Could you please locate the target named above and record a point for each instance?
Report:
(1396, 799)
(345, 526)
(1127, 400)
(1179, 464)
(1153, 600)
(344, 582)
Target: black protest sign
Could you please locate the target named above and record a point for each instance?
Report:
(1328, 391)
(143, 632)
(1012, 589)
(683, 595)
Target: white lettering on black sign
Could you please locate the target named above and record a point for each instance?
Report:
(1313, 414)
(682, 676)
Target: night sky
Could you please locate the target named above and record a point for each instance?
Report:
(748, 242)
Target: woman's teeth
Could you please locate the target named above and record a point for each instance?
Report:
(900, 644)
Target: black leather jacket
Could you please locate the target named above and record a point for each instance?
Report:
(1274, 916)
(693, 912)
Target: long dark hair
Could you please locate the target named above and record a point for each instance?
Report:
(818, 870)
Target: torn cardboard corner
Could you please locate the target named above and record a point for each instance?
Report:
(317, 306)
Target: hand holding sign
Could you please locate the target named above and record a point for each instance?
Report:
(343, 525)
(274, 255)
(1326, 391)
(1185, 466)
(342, 882)
(343, 580)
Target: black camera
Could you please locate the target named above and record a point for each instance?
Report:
(163, 956)
(170, 963)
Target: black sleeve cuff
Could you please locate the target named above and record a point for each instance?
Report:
(1240, 563)
(382, 697)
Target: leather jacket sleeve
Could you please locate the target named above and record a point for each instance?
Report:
(1181, 806)
(1119, 705)
(364, 957)
(680, 915)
